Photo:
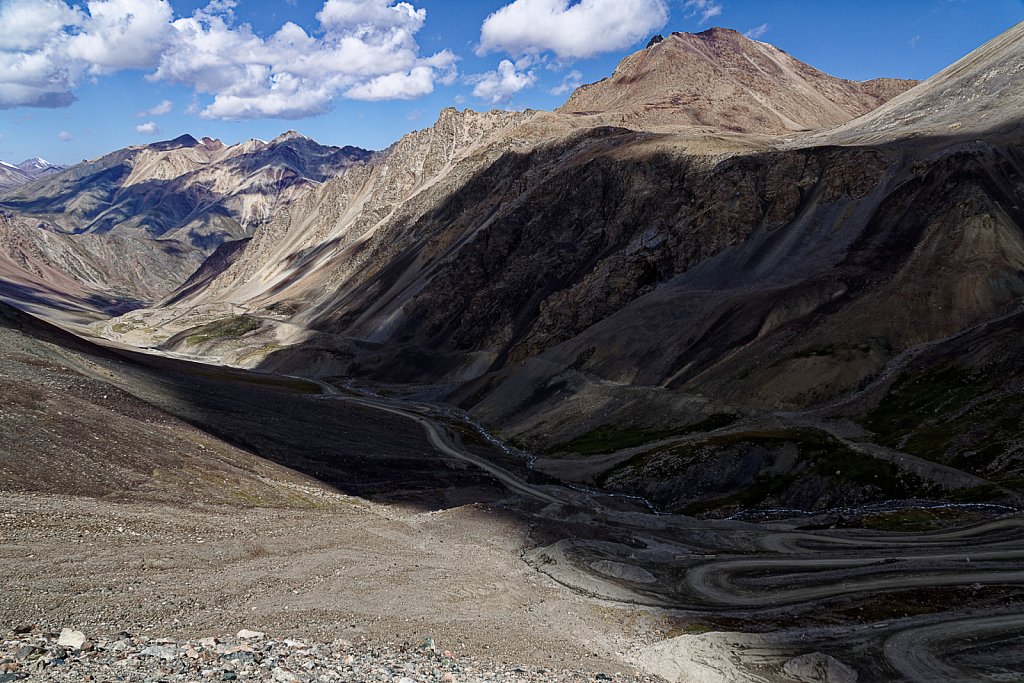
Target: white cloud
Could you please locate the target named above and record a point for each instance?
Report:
(396, 86)
(65, 136)
(349, 14)
(34, 71)
(499, 86)
(122, 34)
(572, 80)
(148, 128)
(705, 10)
(161, 109)
(364, 49)
(757, 32)
(30, 24)
(581, 30)
(367, 51)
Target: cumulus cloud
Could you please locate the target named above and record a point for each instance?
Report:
(704, 10)
(34, 71)
(757, 32)
(499, 86)
(28, 25)
(376, 14)
(148, 128)
(65, 136)
(122, 34)
(362, 49)
(161, 109)
(572, 80)
(367, 51)
(580, 30)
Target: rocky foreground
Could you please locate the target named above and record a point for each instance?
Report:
(39, 655)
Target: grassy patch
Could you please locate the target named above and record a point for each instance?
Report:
(121, 328)
(819, 456)
(611, 439)
(948, 415)
(235, 326)
(915, 519)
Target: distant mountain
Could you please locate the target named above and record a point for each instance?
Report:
(200, 193)
(721, 80)
(12, 176)
(174, 201)
(37, 168)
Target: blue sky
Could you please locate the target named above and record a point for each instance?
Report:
(78, 79)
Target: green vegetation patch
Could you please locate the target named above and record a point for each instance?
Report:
(918, 519)
(235, 326)
(611, 439)
(819, 455)
(946, 414)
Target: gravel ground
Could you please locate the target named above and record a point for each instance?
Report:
(378, 575)
(251, 656)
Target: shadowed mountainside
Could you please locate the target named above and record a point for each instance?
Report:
(90, 420)
(567, 281)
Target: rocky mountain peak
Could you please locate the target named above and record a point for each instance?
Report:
(179, 142)
(36, 163)
(288, 136)
(719, 79)
(212, 144)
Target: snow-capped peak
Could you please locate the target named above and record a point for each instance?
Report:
(35, 162)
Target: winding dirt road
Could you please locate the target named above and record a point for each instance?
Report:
(710, 566)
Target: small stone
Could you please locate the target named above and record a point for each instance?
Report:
(239, 657)
(284, 676)
(73, 640)
(8, 678)
(27, 651)
(406, 679)
(209, 642)
(246, 634)
(448, 678)
(165, 652)
(229, 676)
(603, 677)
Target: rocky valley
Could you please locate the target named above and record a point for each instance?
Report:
(711, 374)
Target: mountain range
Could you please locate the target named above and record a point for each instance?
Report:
(131, 226)
(719, 278)
(12, 176)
